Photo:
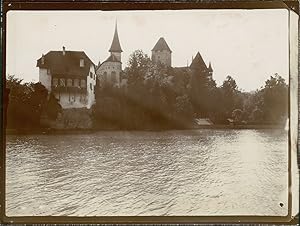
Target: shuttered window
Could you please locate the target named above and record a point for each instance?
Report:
(82, 83)
(62, 82)
(54, 82)
(69, 82)
(76, 82)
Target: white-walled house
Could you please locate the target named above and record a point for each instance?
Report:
(70, 76)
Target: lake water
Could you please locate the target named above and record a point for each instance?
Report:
(194, 172)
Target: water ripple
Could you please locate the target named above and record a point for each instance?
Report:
(197, 172)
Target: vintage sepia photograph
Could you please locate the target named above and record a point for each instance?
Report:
(148, 113)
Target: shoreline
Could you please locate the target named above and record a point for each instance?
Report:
(94, 130)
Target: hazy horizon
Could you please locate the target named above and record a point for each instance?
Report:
(249, 45)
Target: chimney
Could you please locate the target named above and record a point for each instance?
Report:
(64, 50)
(43, 59)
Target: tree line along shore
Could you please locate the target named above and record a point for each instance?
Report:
(156, 97)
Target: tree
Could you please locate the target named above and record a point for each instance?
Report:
(202, 93)
(26, 103)
(53, 107)
(138, 66)
(275, 99)
(270, 103)
(231, 98)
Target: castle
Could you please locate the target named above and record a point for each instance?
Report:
(111, 69)
(71, 76)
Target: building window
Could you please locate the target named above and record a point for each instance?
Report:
(81, 62)
(62, 82)
(91, 74)
(76, 82)
(72, 97)
(105, 75)
(91, 86)
(113, 77)
(69, 82)
(54, 82)
(83, 83)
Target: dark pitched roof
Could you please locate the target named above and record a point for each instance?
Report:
(68, 64)
(112, 58)
(198, 63)
(161, 45)
(115, 45)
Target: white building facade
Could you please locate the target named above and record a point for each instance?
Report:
(70, 76)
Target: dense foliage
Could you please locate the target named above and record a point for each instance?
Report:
(156, 97)
(159, 97)
(27, 103)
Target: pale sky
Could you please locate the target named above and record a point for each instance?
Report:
(249, 45)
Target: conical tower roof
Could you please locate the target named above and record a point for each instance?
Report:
(115, 45)
(161, 45)
(198, 62)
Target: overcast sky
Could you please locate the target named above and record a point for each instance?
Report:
(249, 45)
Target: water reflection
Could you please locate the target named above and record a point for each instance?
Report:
(200, 172)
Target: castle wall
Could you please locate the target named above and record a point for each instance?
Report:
(71, 118)
(72, 100)
(106, 73)
(163, 57)
(45, 78)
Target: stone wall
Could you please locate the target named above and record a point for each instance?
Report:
(163, 57)
(104, 73)
(73, 118)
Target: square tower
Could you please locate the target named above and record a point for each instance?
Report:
(161, 53)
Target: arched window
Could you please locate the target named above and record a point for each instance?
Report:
(105, 75)
(113, 77)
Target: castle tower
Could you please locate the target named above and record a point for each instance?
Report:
(115, 48)
(110, 70)
(199, 64)
(161, 53)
